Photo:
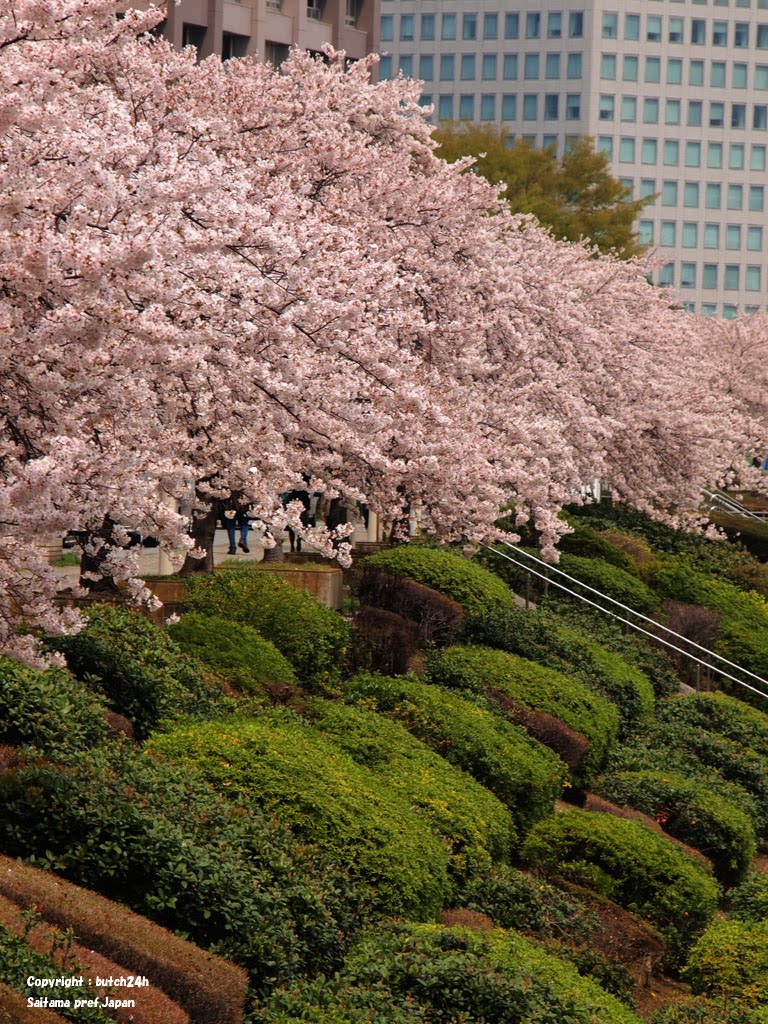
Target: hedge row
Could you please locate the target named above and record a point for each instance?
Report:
(283, 768)
(719, 714)
(723, 766)
(631, 865)
(540, 637)
(470, 585)
(50, 709)
(158, 839)
(138, 667)
(237, 652)
(532, 686)
(522, 773)
(474, 825)
(692, 813)
(64, 955)
(743, 637)
(710, 1011)
(18, 961)
(429, 973)
(731, 960)
(749, 902)
(312, 637)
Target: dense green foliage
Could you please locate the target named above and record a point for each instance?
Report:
(446, 976)
(284, 768)
(541, 637)
(575, 195)
(708, 1011)
(588, 543)
(532, 686)
(630, 864)
(474, 588)
(724, 766)
(749, 901)
(692, 813)
(19, 962)
(50, 709)
(513, 899)
(719, 714)
(159, 839)
(522, 773)
(473, 824)
(743, 636)
(144, 674)
(609, 579)
(235, 651)
(312, 637)
(731, 960)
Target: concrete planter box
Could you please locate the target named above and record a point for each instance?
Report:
(324, 582)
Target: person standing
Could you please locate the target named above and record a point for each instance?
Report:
(234, 517)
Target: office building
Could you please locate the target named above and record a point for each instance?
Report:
(675, 92)
(269, 28)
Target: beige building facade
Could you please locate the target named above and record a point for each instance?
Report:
(268, 29)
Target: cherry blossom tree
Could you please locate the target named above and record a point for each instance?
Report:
(217, 277)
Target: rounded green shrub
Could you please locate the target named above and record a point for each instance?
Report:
(731, 960)
(743, 637)
(477, 590)
(143, 673)
(481, 669)
(611, 580)
(718, 713)
(588, 543)
(692, 813)
(436, 974)
(749, 901)
(710, 1011)
(473, 824)
(49, 709)
(631, 865)
(524, 774)
(541, 637)
(235, 651)
(513, 899)
(283, 768)
(159, 839)
(723, 766)
(312, 637)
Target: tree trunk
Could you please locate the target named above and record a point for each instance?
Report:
(203, 534)
(103, 539)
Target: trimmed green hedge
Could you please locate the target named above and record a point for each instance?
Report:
(611, 580)
(541, 637)
(312, 637)
(477, 590)
(144, 674)
(50, 709)
(724, 766)
(285, 769)
(749, 902)
(473, 824)
(157, 838)
(235, 651)
(743, 635)
(516, 900)
(524, 774)
(692, 813)
(535, 687)
(708, 1011)
(731, 960)
(588, 543)
(720, 714)
(429, 973)
(631, 865)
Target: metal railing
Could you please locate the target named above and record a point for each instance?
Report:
(723, 501)
(657, 626)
